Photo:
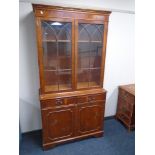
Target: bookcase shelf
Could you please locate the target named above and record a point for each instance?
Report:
(60, 41)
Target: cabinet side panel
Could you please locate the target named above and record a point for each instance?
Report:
(40, 54)
(105, 32)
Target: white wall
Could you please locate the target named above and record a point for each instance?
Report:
(123, 5)
(119, 67)
(119, 59)
(30, 118)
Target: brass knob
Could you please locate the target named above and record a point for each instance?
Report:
(91, 99)
(59, 101)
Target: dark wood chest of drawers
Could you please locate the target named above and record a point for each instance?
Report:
(126, 106)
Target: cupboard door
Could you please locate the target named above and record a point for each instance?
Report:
(58, 123)
(89, 53)
(90, 117)
(57, 54)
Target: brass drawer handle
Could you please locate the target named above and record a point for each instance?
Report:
(125, 96)
(59, 101)
(91, 99)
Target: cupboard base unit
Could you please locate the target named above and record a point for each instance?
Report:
(73, 117)
(126, 106)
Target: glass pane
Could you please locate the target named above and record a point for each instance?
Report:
(65, 80)
(64, 55)
(50, 55)
(90, 47)
(51, 80)
(53, 31)
(95, 55)
(94, 77)
(57, 56)
(83, 55)
(83, 78)
(90, 32)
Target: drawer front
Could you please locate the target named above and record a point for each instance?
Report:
(127, 113)
(124, 105)
(57, 102)
(124, 119)
(91, 98)
(127, 96)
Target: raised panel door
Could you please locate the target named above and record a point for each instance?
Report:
(58, 123)
(90, 117)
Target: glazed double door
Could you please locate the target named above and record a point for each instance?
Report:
(72, 121)
(72, 54)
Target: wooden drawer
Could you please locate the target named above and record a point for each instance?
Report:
(124, 119)
(58, 102)
(126, 112)
(123, 104)
(126, 96)
(129, 106)
(91, 98)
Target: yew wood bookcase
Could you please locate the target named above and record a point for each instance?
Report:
(71, 56)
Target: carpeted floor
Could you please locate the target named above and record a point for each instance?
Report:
(116, 141)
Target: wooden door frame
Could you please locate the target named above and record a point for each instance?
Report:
(105, 32)
(91, 21)
(40, 49)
